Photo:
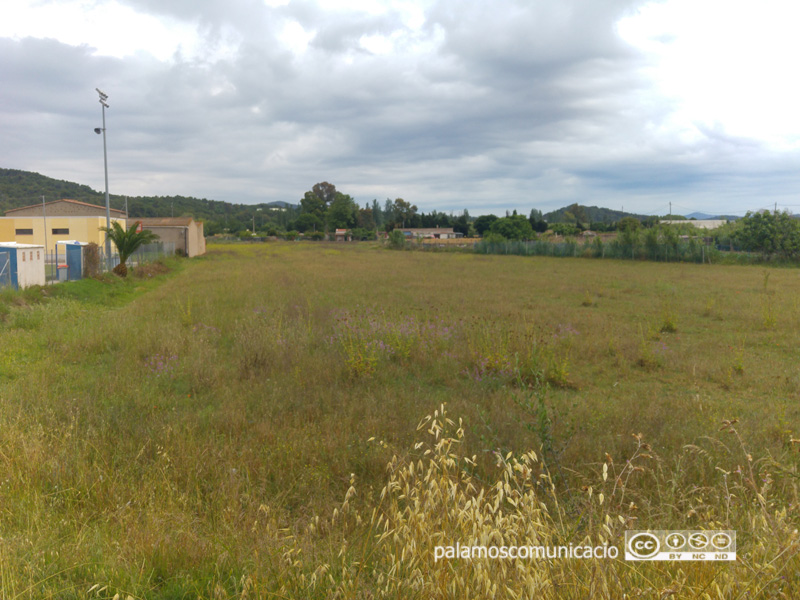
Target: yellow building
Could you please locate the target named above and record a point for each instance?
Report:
(62, 220)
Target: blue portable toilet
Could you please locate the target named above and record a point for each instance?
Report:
(24, 264)
(74, 253)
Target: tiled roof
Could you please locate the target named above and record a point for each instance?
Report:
(78, 202)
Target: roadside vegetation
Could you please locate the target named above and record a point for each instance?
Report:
(309, 421)
(765, 238)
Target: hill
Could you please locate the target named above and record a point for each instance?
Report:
(588, 214)
(24, 188)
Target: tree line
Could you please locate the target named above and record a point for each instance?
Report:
(324, 208)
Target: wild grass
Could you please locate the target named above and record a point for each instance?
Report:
(224, 431)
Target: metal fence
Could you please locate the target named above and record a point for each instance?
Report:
(59, 268)
(698, 250)
(691, 251)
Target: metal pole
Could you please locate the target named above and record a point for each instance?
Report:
(44, 218)
(108, 202)
(103, 98)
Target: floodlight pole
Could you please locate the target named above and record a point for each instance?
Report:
(103, 98)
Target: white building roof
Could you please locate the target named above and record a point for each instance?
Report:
(699, 223)
(21, 246)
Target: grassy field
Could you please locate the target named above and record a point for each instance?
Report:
(224, 430)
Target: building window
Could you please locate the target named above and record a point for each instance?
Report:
(24, 231)
(64, 231)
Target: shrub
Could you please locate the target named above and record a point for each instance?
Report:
(515, 227)
(492, 237)
(361, 234)
(397, 240)
(91, 260)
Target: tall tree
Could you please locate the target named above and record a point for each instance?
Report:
(312, 204)
(388, 212)
(483, 223)
(461, 223)
(404, 212)
(342, 212)
(325, 191)
(365, 219)
(377, 213)
(538, 224)
(318, 200)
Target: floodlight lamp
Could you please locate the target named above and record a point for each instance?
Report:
(103, 95)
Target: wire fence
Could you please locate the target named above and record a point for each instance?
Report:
(59, 266)
(693, 250)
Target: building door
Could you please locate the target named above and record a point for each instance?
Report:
(74, 260)
(5, 269)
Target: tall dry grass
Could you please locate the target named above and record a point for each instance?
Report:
(194, 440)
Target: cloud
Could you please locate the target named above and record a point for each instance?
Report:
(449, 104)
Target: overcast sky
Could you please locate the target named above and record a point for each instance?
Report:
(450, 104)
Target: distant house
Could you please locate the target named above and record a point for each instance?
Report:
(184, 232)
(438, 233)
(343, 235)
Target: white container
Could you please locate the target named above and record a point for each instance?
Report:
(27, 264)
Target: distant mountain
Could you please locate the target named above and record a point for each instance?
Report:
(704, 217)
(24, 188)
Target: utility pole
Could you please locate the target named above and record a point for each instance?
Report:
(44, 217)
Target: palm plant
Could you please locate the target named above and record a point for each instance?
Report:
(127, 242)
